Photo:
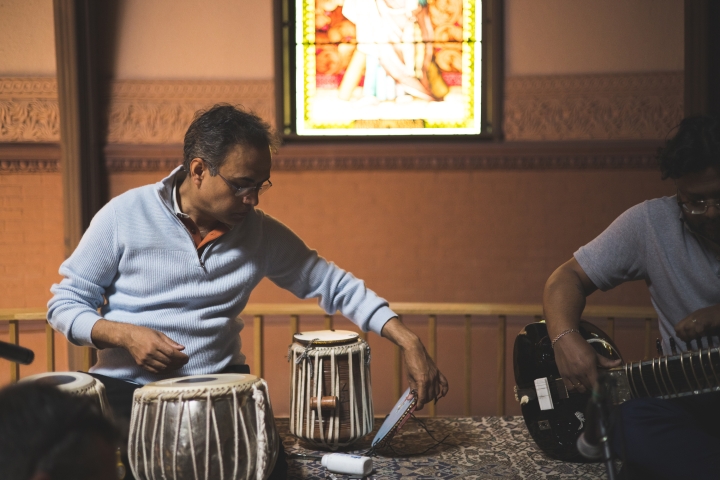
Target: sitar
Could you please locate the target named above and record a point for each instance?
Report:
(555, 417)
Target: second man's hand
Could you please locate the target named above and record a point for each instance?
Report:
(577, 362)
(700, 323)
(423, 375)
(150, 349)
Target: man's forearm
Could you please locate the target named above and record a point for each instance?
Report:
(563, 301)
(395, 331)
(107, 334)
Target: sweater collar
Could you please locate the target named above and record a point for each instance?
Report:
(166, 190)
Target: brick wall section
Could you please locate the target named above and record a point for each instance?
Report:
(481, 236)
(31, 238)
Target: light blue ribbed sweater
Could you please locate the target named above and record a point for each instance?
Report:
(139, 256)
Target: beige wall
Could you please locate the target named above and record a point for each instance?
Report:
(27, 38)
(194, 39)
(555, 37)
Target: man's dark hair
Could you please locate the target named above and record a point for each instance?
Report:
(215, 131)
(694, 148)
(43, 429)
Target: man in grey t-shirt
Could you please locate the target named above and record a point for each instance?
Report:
(673, 244)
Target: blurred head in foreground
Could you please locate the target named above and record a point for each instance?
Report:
(47, 434)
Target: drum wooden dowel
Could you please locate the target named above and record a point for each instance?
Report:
(502, 321)
(50, 347)
(328, 322)
(610, 328)
(648, 342)
(326, 403)
(468, 365)
(294, 326)
(14, 338)
(258, 346)
(432, 343)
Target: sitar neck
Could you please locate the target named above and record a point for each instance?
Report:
(689, 373)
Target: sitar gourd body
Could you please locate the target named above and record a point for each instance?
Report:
(555, 417)
(555, 430)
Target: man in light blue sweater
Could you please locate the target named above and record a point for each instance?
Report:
(172, 265)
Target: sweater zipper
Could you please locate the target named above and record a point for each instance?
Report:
(201, 258)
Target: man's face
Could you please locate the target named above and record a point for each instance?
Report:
(697, 187)
(245, 166)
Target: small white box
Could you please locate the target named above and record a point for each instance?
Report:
(542, 388)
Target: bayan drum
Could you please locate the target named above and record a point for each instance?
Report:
(76, 383)
(330, 400)
(203, 427)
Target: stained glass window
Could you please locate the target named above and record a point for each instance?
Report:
(386, 67)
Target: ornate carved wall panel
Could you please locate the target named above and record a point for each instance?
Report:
(148, 120)
(29, 110)
(159, 112)
(601, 106)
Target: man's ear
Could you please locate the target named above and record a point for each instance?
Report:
(197, 169)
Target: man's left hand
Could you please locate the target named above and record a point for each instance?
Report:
(700, 323)
(423, 375)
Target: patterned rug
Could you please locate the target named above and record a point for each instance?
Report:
(475, 448)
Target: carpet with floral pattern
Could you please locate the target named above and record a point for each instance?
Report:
(474, 448)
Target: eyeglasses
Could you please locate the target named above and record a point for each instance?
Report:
(697, 207)
(245, 191)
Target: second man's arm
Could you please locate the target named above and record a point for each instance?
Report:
(563, 303)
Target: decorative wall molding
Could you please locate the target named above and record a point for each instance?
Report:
(159, 111)
(148, 120)
(597, 106)
(29, 158)
(639, 154)
(141, 112)
(29, 110)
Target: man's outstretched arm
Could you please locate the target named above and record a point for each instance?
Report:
(423, 375)
(563, 303)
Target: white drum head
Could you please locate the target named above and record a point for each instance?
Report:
(66, 381)
(193, 382)
(327, 337)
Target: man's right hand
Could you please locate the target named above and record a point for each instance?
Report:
(150, 349)
(577, 362)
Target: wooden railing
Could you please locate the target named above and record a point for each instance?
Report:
(432, 310)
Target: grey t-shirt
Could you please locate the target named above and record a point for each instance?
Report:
(651, 242)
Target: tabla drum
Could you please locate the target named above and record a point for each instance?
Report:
(330, 399)
(76, 383)
(203, 427)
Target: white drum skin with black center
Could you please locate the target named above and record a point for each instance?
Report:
(218, 426)
(75, 383)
